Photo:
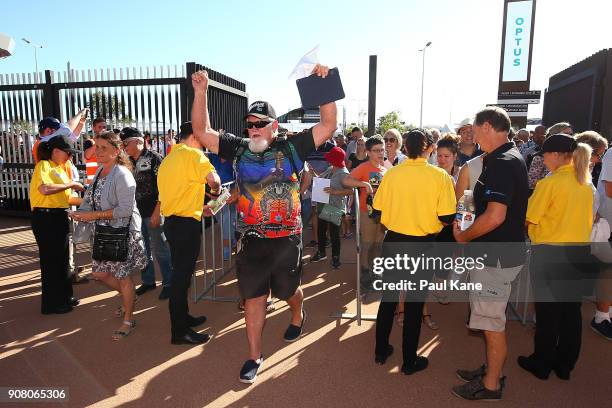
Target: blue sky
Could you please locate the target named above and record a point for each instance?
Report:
(260, 42)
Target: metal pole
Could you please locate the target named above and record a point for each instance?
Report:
(356, 316)
(358, 248)
(423, 83)
(372, 96)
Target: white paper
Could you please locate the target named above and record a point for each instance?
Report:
(318, 195)
(305, 65)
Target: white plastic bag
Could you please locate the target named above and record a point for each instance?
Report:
(600, 247)
(305, 65)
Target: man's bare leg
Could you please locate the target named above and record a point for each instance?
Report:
(295, 304)
(497, 349)
(255, 317)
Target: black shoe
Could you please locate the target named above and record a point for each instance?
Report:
(294, 332)
(318, 257)
(420, 364)
(165, 293)
(142, 289)
(58, 310)
(336, 262)
(74, 302)
(470, 375)
(248, 373)
(195, 321)
(604, 328)
(562, 373)
(476, 391)
(191, 337)
(382, 359)
(534, 367)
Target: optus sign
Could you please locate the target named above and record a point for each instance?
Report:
(517, 41)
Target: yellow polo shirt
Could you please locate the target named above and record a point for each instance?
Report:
(413, 195)
(47, 172)
(560, 210)
(181, 181)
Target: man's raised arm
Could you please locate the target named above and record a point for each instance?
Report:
(200, 121)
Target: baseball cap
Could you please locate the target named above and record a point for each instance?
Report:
(62, 142)
(335, 157)
(48, 122)
(185, 130)
(129, 132)
(261, 110)
(559, 142)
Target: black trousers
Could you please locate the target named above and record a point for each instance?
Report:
(51, 233)
(185, 238)
(558, 335)
(413, 306)
(558, 273)
(334, 234)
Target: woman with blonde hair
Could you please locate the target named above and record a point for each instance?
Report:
(559, 221)
(110, 204)
(536, 170)
(393, 145)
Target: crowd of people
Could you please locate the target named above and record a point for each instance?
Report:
(548, 186)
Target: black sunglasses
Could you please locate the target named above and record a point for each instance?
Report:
(259, 124)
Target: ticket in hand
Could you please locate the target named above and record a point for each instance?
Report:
(218, 203)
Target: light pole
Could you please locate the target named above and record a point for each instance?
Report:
(423, 82)
(36, 47)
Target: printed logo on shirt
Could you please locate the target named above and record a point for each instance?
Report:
(269, 203)
(489, 193)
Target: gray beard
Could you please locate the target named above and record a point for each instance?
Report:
(259, 145)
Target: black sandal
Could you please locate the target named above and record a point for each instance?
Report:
(122, 334)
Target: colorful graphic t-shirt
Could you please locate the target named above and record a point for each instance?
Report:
(371, 174)
(269, 203)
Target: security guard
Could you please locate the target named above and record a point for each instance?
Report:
(181, 182)
(50, 190)
(559, 219)
(416, 200)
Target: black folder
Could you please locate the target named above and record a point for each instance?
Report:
(316, 91)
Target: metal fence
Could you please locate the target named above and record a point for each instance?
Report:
(153, 99)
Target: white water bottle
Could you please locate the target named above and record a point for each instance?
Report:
(465, 210)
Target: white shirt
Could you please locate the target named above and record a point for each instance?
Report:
(605, 202)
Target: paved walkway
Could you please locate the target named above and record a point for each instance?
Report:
(332, 365)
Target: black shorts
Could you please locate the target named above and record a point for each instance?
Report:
(269, 263)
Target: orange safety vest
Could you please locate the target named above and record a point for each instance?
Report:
(91, 166)
(35, 150)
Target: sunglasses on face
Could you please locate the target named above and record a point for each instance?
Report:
(387, 140)
(259, 124)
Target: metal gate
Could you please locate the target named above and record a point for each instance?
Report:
(153, 99)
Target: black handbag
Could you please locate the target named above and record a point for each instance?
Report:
(110, 243)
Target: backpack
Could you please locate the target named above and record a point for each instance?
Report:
(281, 143)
